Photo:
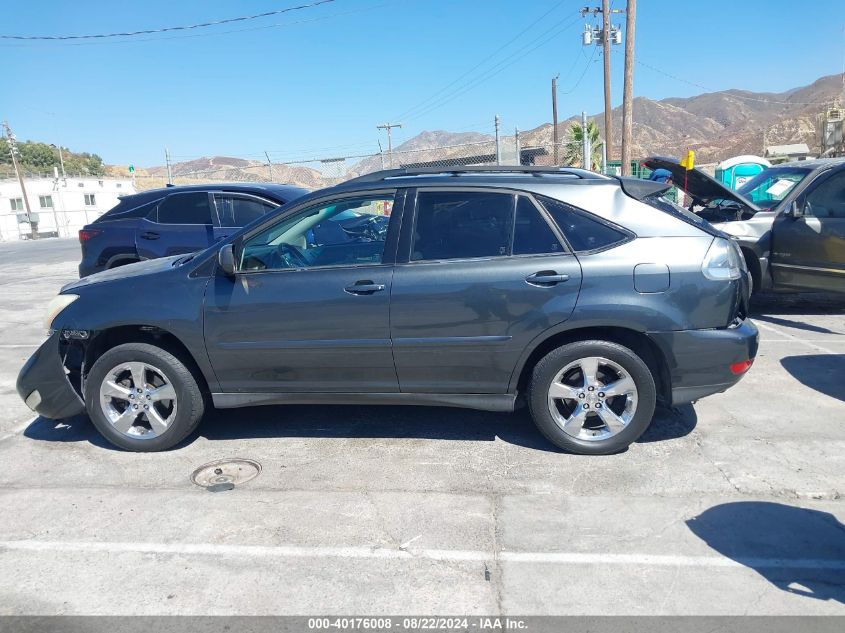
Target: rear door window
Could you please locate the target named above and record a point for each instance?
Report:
(237, 211)
(462, 224)
(531, 233)
(185, 208)
(583, 231)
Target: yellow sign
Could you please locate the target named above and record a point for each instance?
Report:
(688, 162)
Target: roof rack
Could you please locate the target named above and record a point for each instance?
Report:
(532, 170)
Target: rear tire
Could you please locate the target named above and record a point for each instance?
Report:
(592, 397)
(143, 398)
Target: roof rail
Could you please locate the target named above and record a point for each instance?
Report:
(532, 170)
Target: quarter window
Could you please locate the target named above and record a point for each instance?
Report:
(531, 234)
(347, 232)
(185, 208)
(90, 200)
(458, 225)
(17, 204)
(584, 232)
(828, 199)
(46, 202)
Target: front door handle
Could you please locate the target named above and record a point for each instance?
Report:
(364, 287)
(546, 278)
(150, 235)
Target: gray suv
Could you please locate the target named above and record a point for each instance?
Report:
(591, 299)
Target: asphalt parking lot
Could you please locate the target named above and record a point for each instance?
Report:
(731, 506)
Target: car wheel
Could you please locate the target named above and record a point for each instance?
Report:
(143, 398)
(592, 397)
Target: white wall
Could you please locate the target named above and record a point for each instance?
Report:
(68, 195)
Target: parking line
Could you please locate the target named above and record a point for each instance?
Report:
(771, 328)
(298, 551)
(20, 428)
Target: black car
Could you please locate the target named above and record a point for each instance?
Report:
(582, 295)
(175, 220)
(789, 220)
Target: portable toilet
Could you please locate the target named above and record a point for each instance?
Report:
(736, 171)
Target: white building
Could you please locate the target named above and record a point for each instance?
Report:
(62, 205)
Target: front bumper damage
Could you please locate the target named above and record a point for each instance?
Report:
(44, 386)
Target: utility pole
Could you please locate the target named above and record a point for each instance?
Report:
(518, 148)
(586, 163)
(61, 159)
(498, 148)
(389, 127)
(606, 35)
(13, 150)
(605, 41)
(269, 165)
(169, 171)
(554, 120)
(628, 90)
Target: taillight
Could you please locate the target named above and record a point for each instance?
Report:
(741, 367)
(723, 261)
(87, 234)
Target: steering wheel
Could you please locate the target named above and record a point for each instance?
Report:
(292, 256)
(369, 229)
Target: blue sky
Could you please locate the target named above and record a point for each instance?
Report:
(317, 85)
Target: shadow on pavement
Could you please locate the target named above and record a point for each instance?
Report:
(670, 424)
(823, 372)
(798, 550)
(75, 429)
(810, 303)
(798, 325)
(334, 421)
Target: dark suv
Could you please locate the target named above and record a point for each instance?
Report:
(175, 220)
(587, 297)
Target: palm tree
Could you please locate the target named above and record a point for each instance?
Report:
(573, 146)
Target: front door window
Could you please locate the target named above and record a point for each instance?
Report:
(347, 232)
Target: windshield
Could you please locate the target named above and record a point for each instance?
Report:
(772, 185)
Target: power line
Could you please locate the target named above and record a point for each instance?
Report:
(212, 33)
(167, 28)
(583, 74)
(738, 96)
(499, 67)
(479, 64)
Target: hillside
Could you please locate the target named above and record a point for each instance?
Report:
(41, 158)
(717, 124)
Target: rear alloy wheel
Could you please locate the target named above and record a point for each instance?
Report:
(142, 398)
(592, 397)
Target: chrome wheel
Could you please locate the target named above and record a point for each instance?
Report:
(592, 398)
(138, 400)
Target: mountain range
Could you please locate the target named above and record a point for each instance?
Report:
(716, 125)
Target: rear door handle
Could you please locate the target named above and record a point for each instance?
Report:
(150, 235)
(364, 287)
(546, 278)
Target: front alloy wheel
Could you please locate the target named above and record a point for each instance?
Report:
(138, 400)
(142, 397)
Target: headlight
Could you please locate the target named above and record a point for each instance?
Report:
(59, 303)
(723, 261)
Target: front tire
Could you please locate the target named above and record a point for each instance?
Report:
(143, 398)
(592, 397)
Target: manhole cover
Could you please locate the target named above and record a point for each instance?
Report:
(224, 474)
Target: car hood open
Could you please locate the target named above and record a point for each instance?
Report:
(701, 187)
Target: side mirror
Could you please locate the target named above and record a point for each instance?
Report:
(226, 260)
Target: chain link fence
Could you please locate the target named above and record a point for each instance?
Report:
(327, 171)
